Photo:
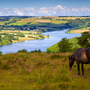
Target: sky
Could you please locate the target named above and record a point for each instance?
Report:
(44, 7)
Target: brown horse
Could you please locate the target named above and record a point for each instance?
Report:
(80, 56)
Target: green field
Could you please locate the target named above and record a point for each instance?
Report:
(58, 21)
(24, 22)
(17, 23)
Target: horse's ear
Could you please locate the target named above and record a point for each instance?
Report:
(69, 57)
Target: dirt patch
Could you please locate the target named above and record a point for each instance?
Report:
(43, 21)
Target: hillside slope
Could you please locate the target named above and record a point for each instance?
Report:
(41, 71)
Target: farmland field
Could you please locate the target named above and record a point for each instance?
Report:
(37, 20)
(18, 23)
(49, 22)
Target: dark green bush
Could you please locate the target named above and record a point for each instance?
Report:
(36, 51)
(5, 66)
(0, 53)
(23, 50)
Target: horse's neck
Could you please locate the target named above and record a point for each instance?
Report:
(73, 57)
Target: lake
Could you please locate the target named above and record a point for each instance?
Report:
(43, 44)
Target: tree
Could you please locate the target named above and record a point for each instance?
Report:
(20, 34)
(84, 40)
(64, 45)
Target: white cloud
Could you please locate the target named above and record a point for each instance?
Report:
(6, 8)
(52, 11)
(18, 12)
(31, 14)
(0, 13)
(32, 9)
(60, 7)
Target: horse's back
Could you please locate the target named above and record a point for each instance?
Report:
(81, 55)
(88, 53)
(79, 52)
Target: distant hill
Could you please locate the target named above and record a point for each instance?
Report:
(45, 23)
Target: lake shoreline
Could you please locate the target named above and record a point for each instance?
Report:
(29, 39)
(42, 44)
(14, 37)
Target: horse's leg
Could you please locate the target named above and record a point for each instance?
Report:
(82, 69)
(78, 68)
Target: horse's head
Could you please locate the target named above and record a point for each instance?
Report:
(71, 62)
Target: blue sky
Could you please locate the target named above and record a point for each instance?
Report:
(45, 7)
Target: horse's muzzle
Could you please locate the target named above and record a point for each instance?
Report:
(69, 68)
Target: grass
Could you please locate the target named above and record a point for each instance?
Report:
(27, 20)
(72, 18)
(18, 23)
(59, 21)
(86, 29)
(40, 71)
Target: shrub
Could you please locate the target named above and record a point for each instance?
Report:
(42, 36)
(57, 56)
(5, 66)
(36, 51)
(0, 53)
(23, 50)
(20, 34)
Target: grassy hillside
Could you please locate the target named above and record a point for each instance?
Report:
(41, 71)
(83, 25)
